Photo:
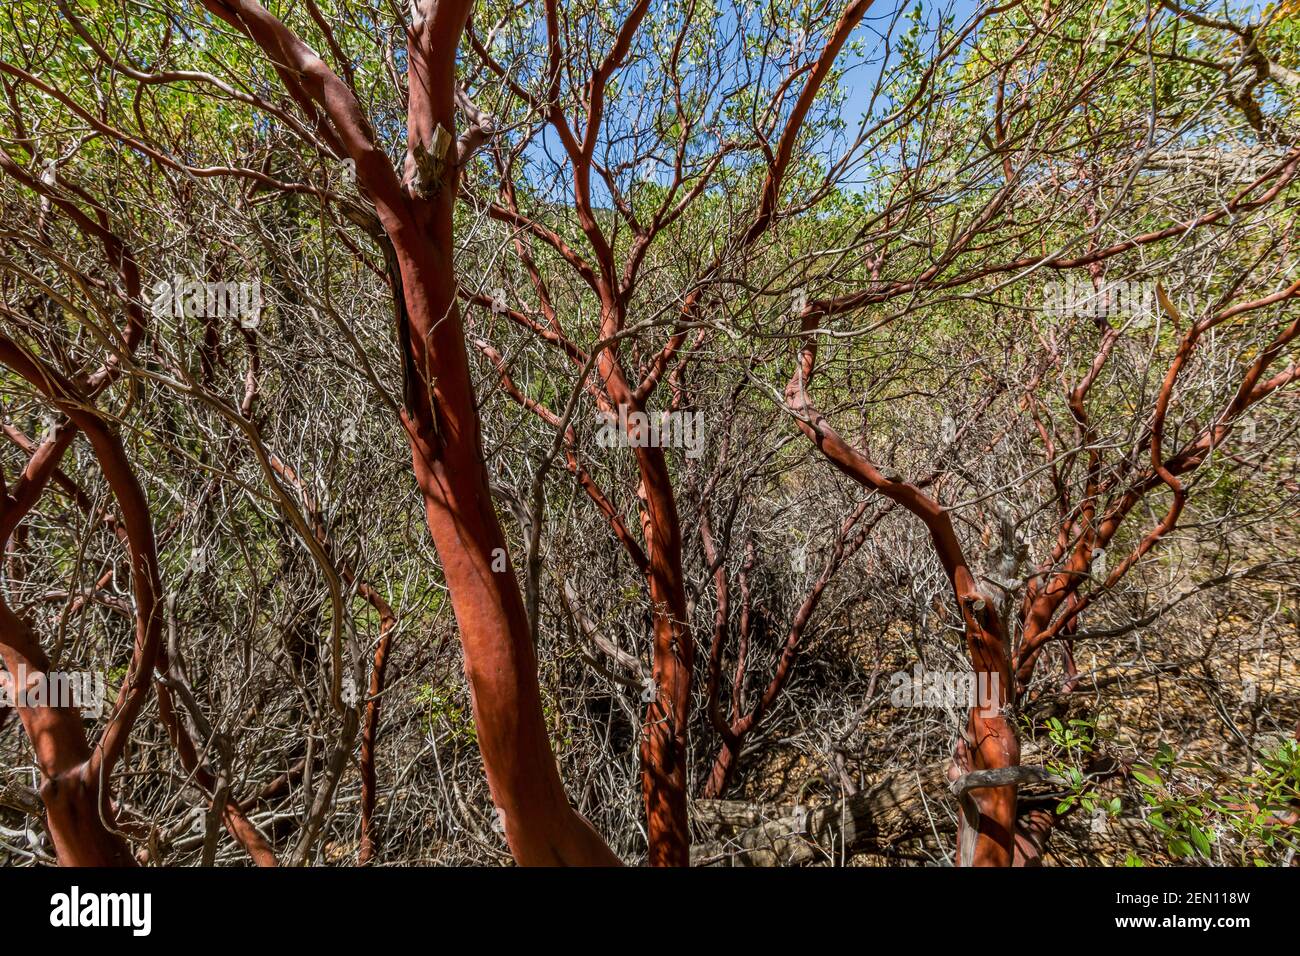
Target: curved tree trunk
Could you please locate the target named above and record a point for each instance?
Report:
(990, 742)
(500, 661)
(78, 814)
(663, 736)
(440, 414)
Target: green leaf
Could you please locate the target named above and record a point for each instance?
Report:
(1200, 838)
(1148, 777)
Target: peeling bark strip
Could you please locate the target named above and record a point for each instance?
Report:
(441, 417)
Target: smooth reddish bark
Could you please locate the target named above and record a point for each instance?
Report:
(990, 739)
(441, 417)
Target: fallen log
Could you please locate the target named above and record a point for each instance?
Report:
(898, 807)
